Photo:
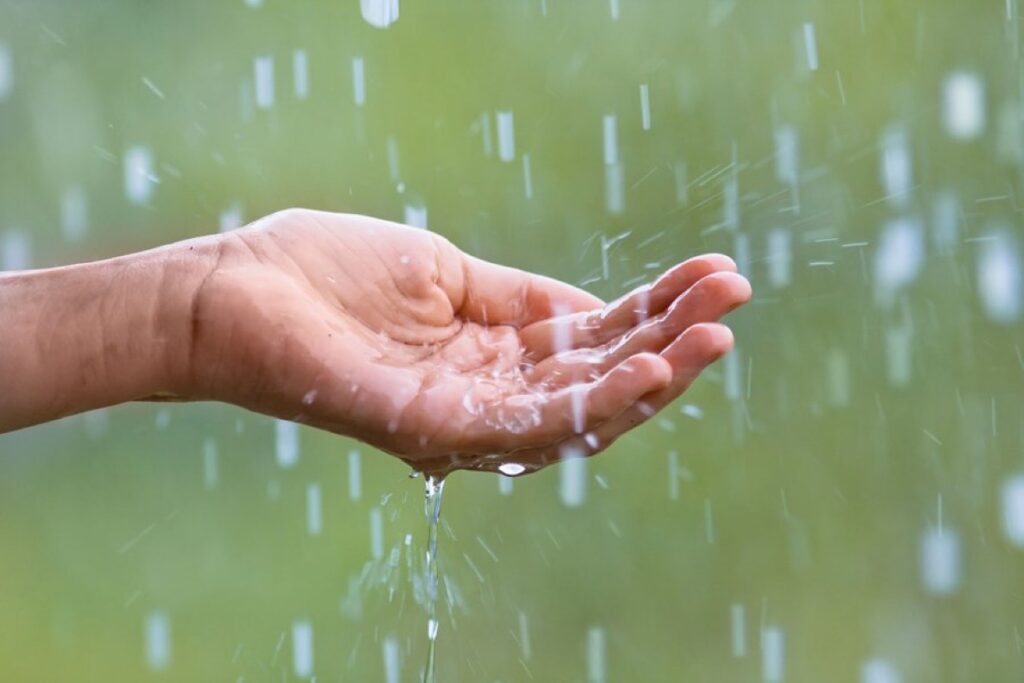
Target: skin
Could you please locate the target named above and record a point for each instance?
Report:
(366, 328)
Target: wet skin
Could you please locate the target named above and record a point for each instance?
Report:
(370, 329)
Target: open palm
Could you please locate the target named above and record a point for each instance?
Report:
(392, 335)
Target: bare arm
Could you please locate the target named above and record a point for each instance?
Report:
(97, 334)
(366, 328)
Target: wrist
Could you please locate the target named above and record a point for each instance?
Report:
(92, 335)
(178, 272)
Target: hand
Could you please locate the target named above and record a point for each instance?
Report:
(392, 335)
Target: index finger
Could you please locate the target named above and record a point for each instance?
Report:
(499, 295)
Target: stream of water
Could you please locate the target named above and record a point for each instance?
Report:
(432, 509)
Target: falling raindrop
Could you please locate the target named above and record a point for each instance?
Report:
(964, 105)
(358, 82)
(379, 13)
(300, 73)
(772, 655)
(376, 533)
(15, 251)
(158, 640)
(572, 476)
(1013, 509)
(596, 656)
(1000, 283)
(302, 649)
(645, 106)
(896, 166)
(506, 136)
(263, 68)
(392, 670)
(230, 218)
(940, 561)
(286, 443)
(355, 483)
(738, 622)
(138, 174)
(898, 259)
(527, 177)
(879, 671)
(209, 464)
(74, 213)
(779, 257)
(416, 215)
(314, 516)
(6, 71)
(811, 46)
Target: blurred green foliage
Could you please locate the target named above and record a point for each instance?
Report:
(795, 481)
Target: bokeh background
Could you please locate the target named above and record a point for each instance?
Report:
(838, 500)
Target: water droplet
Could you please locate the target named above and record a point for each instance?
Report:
(511, 469)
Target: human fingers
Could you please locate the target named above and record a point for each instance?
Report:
(596, 327)
(698, 347)
(712, 297)
(532, 420)
(499, 295)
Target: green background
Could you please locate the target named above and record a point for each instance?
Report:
(795, 482)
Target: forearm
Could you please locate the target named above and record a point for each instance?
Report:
(86, 336)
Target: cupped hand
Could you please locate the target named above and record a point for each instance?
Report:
(392, 335)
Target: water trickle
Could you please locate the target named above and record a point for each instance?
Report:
(432, 509)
